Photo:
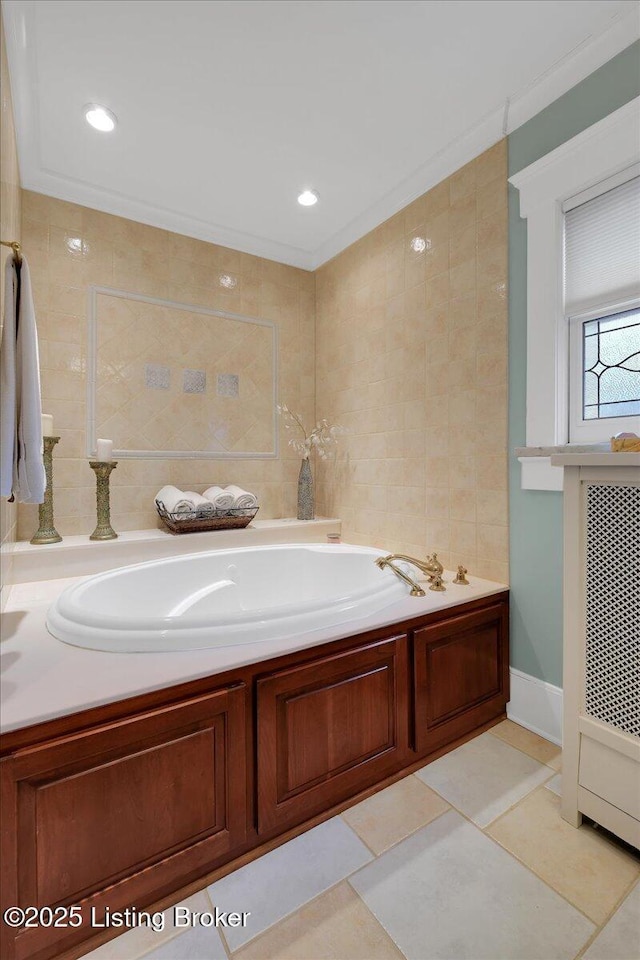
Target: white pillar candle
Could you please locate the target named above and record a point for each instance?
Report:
(47, 425)
(104, 451)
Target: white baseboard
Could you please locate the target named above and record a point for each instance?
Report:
(536, 705)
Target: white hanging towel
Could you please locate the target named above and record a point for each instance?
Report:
(21, 468)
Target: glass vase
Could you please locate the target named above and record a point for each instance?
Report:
(305, 492)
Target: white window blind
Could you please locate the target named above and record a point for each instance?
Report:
(602, 249)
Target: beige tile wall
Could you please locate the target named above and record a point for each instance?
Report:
(10, 217)
(72, 247)
(410, 356)
(411, 351)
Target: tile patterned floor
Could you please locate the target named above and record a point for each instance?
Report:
(467, 859)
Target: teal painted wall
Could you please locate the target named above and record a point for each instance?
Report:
(535, 522)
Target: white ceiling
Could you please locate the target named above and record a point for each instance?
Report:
(228, 109)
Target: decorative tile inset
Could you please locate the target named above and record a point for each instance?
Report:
(157, 377)
(194, 381)
(228, 385)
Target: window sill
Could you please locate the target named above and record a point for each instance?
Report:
(537, 471)
(539, 464)
(522, 452)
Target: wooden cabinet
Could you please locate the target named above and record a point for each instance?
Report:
(111, 816)
(329, 728)
(127, 804)
(461, 675)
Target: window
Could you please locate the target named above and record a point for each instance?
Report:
(601, 278)
(587, 167)
(605, 375)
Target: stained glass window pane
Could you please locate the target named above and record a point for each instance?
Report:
(590, 351)
(590, 389)
(617, 345)
(611, 366)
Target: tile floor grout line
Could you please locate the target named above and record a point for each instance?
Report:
(361, 839)
(559, 893)
(521, 749)
(483, 830)
(542, 879)
(539, 786)
(343, 880)
(610, 917)
(181, 933)
(518, 860)
(301, 907)
(543, 785)
(406, 837)
(170, 938)
(225, 945)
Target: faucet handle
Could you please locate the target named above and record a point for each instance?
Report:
(461, 575)
(436, 583)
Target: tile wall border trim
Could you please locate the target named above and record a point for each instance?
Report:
(92, 379)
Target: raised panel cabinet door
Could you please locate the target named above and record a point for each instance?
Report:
(461, 675)
(140, 806)
(330, 728)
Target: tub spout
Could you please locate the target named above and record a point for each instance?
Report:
(431, 567)
(416, 590)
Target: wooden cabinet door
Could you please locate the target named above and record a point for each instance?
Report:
(461, 675)
(140, 806)
(330, 728)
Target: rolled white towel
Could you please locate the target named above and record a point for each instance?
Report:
(201, 503)
(221, 499)
(175, 501)
(242, 499)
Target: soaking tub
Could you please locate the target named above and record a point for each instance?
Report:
(223, 598)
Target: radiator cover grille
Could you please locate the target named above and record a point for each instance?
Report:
(612, 667)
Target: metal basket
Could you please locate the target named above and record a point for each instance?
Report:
(199, 522)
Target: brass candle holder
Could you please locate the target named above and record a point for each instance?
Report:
(102, 470)
(46, 532)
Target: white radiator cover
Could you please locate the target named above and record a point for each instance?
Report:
(601, 723)
(612, 596)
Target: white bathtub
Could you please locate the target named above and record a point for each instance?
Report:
(223, 598)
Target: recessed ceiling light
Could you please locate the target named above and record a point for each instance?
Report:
(100, 118)
(307, 198)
